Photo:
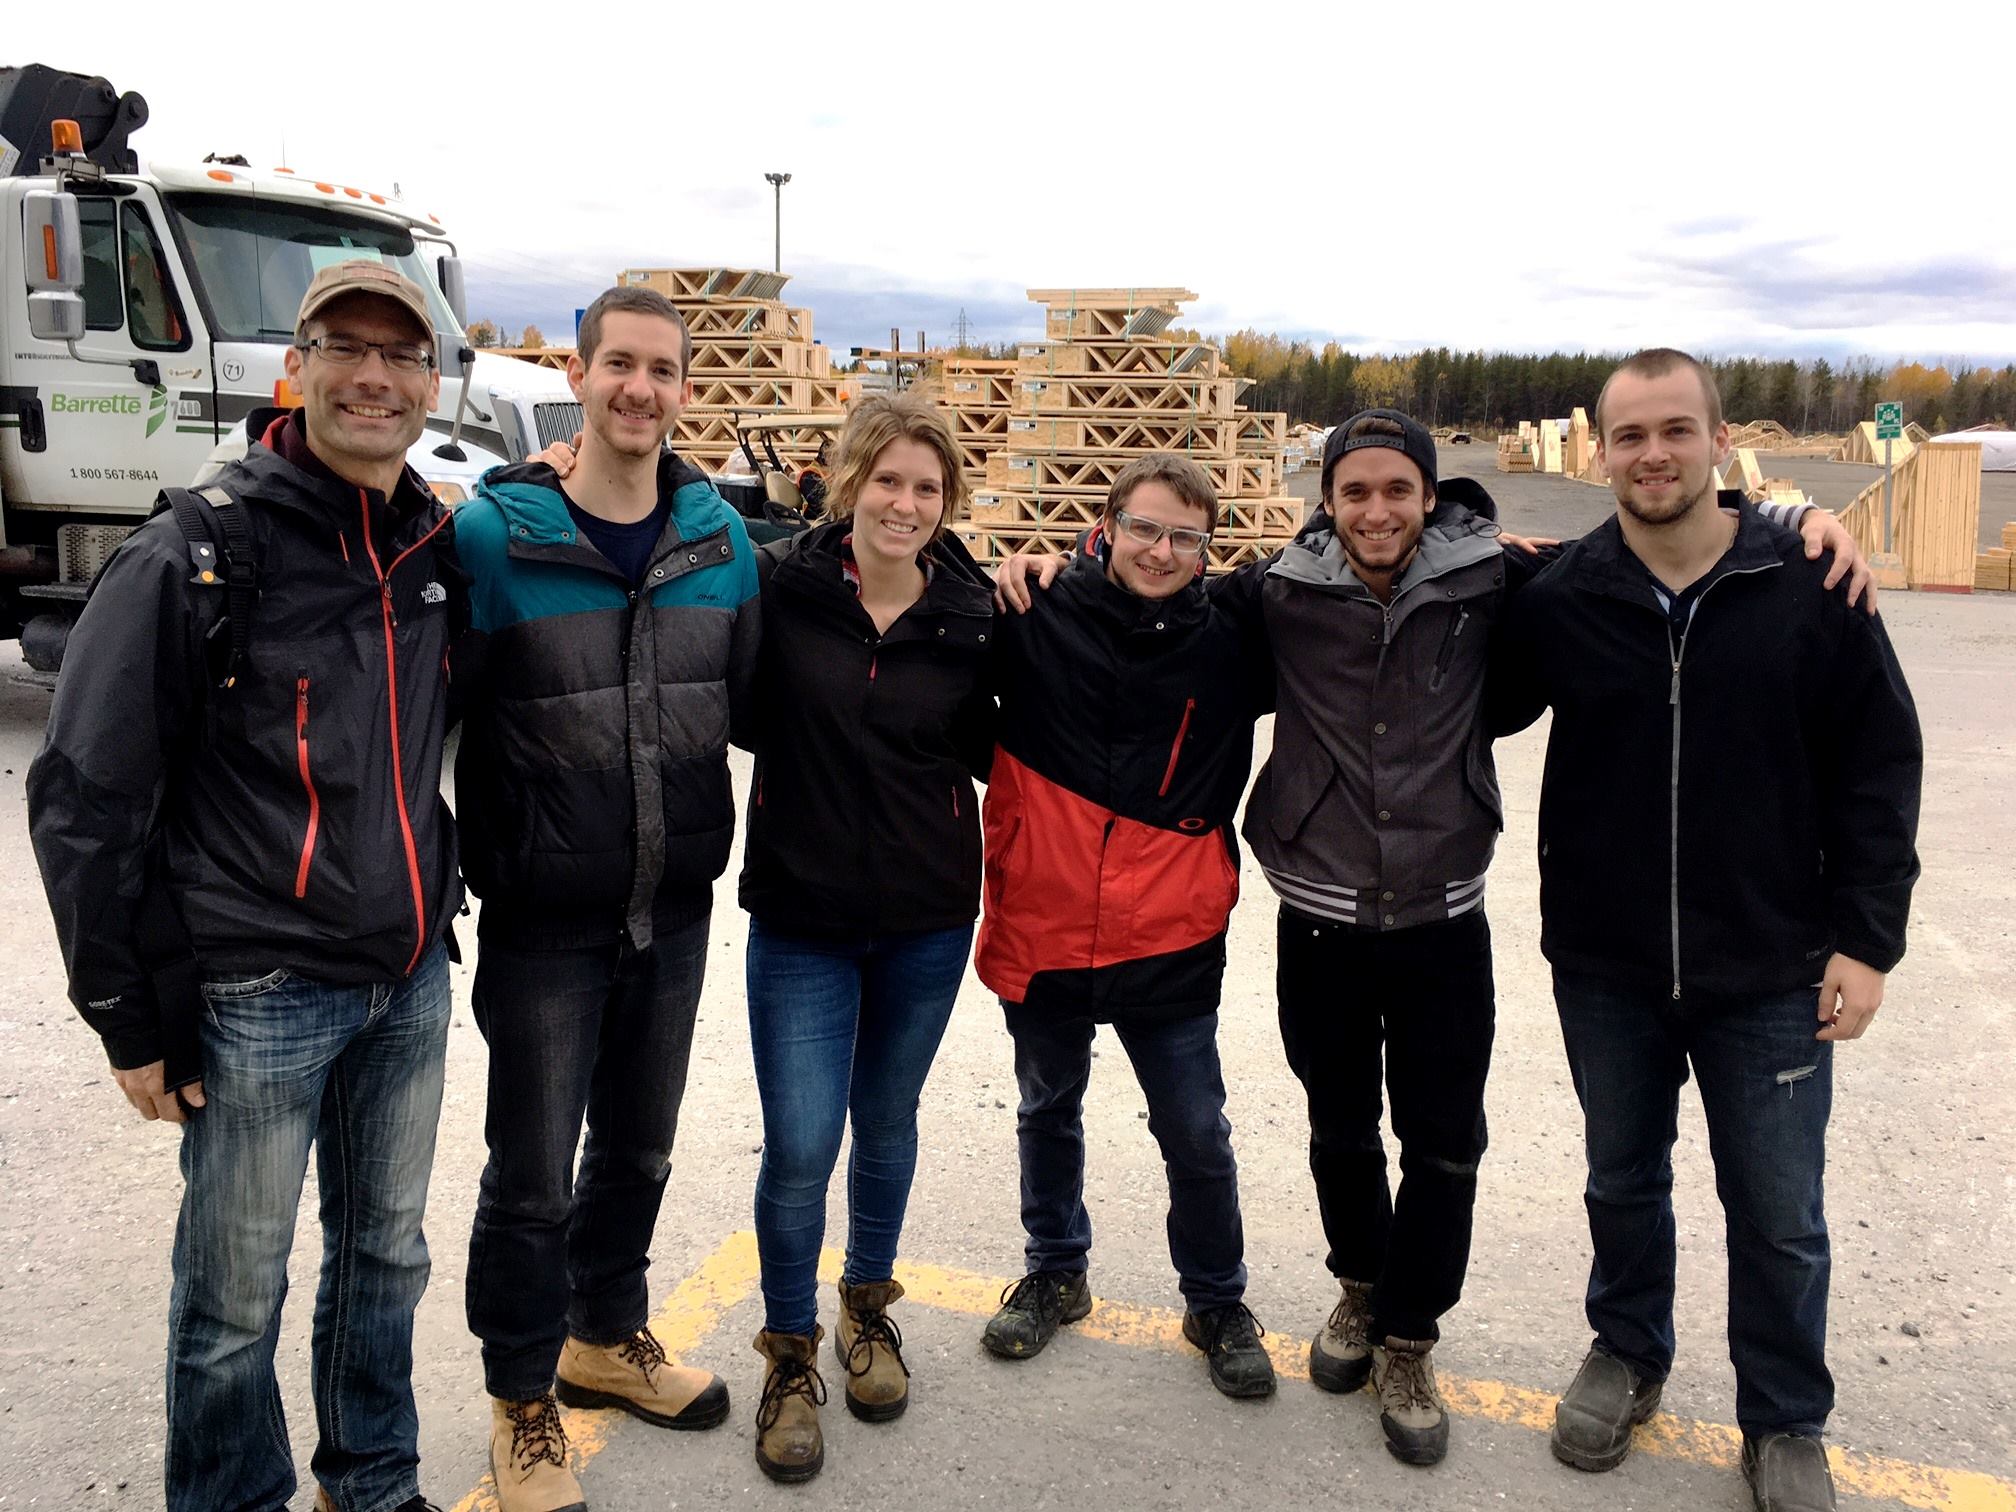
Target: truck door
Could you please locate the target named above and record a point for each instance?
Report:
(113, 438)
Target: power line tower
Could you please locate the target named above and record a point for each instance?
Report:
(964, 328)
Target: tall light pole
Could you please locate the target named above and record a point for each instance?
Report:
(777, 182)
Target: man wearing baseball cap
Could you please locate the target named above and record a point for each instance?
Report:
(238, 818)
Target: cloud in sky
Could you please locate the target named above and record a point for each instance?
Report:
(1596, 182)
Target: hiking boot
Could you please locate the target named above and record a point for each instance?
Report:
(1230, 1338)
(788, 1443)
(1788, 1472)
(528, 1458)
(1340, 1357)
(636, 1376)
(1594, 1419)
(1033, 1309)
(1411, 1409)
(869, 1347)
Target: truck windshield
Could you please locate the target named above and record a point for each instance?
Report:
(254, 259)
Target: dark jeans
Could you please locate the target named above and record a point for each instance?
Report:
(1426, 995)
(1766, 1088)
(602, 1033)
(842, 1030)
(1177, 1065)
(354, 1072)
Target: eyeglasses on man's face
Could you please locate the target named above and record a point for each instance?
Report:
(348, 351)
(1182, 541)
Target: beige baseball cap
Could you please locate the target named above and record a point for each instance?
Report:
(361, 275)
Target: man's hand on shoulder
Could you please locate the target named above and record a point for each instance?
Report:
(1850, 994)
(143, 1088)
(559, 455)
(1011, 578)
(1822, 530)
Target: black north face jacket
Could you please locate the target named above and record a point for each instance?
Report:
(293, 820)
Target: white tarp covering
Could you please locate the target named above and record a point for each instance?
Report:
(1998, 447)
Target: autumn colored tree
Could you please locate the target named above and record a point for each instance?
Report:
(531, 340)
(484, 333)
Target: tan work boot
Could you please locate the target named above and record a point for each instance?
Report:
(869, 1347)
(636, 1376)
(528, 1458)
(789, 1446)
(1410, 1406)
(1340, 1357)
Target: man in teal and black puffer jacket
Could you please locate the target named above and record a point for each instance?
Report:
(612, 641)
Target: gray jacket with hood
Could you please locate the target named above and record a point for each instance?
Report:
(1379, 805)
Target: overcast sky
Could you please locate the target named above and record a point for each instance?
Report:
(1712, 176)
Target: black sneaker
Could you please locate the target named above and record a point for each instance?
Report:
(1230, 1338)
(1788, 1472)
(1594, 1419)
(1032, 1309)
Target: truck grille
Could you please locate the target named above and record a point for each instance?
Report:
(558, 420)
(82, 549)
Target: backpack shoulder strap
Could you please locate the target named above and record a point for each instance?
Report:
(233, 566)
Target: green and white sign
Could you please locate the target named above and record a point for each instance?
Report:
(1890, 420)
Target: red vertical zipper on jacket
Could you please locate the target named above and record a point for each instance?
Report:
(308, 784)
(1176, 750)
(392, 716)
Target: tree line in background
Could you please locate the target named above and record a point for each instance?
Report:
(1499, 389)
(1495, 390)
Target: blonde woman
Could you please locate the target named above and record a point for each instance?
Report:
(861, 874)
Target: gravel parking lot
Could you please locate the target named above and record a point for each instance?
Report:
(1922, 1200)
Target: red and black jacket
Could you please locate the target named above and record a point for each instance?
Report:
(1126, 739)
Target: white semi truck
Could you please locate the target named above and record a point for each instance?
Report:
(146, 310)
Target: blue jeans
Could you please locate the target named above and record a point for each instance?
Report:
(1766, 1087)
(1176, 1063)
(841, 1029)
(356, 1073)
(601, 1034)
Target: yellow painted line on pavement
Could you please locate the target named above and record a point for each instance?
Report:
(729, 1276)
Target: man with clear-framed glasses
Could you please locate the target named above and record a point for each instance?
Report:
(1127, 710)
(1373, 821)
(242, 835)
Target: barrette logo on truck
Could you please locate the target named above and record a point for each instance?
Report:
(156, 408)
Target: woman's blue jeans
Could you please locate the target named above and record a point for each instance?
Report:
(842, 1030)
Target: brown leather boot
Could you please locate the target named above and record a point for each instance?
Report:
(789, 1446)
(636, 1376)
(1411, 1409)
(869, 1347)
(528, 1458)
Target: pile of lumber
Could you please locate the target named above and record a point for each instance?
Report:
(753, 356)
(1995, 568)
(1770, 436)
(976, 394)
(1935, 516)
(1552, 446)
(1745, 474)
(1105, 386)
(1862, 445)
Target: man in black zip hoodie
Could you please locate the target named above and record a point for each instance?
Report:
(281, 840)
(1740, 928)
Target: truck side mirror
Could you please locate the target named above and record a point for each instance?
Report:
(453, 288)
(53, 248)
(54, 316)
(53, 258)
